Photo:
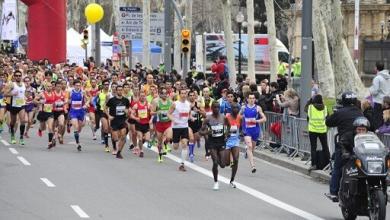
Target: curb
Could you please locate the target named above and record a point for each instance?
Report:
(290, 164)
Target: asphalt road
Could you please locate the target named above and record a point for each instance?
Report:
(36, 183)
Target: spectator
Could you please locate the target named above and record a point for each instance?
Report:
(297, 67)
(386, 102)
(379, 89)
(218, 68)
(289, 100)
(282, 82)
(368, 112)
(385, 128)
(271, 104)
(315, 88)
(316, 116)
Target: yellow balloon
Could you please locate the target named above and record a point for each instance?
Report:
(94, 13)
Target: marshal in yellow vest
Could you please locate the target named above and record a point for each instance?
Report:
(317, 119)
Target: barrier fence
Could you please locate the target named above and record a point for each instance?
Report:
(290, 134)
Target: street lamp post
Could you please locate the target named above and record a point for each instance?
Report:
(239, 19)
(382, 38)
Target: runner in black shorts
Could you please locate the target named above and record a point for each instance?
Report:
(195, 123)
(117, 108)
(214, 127)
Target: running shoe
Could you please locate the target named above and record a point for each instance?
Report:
(61, 139)
(253, 169)
(233, 185)
(79, 148)
(153, 142)
(167, 148)
(141, 154)
(192, 158)
(13, 141)
(216, 186)
(39, 133)
(149, 145)
(160, 158)
(21, 142)
(50, 146)
(182, 168)
(94, 137)
(107, 149)
(119, 155)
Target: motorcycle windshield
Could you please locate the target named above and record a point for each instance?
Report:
(369, 144)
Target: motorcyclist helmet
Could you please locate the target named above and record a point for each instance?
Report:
(348, 98)
(361, 122)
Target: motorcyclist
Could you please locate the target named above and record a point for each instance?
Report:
(361, 125)
(343, 119)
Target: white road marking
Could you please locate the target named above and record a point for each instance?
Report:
(248, 190)
(24, 161)
(5, 142)
(13, 150)
(79, 211)
(48, 182)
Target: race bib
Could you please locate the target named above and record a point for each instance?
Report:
(233, 129)
(120, 110)
(217, 130)
(250, 122)
(194, 114)
(20, 101)
(163, 115)
(77, 104)
(59, 104)
(142, 113)
(183, 115)
(48, 108)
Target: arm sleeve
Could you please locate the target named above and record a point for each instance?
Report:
(332, 120)
(374, 89)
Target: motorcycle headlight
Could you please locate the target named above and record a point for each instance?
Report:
(374, 167)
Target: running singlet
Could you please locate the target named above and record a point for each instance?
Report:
(102, 100)
(76, 100)
(163, 111)
(143, 113)
(234, 125)
(59, 101)
(250, 116)
(18, 100)
(181, 114)
(49, 102)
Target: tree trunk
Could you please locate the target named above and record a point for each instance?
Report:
(346, 76)
(146, 33)
(115, 16)
(322, 55)
(251, 40)
(227, 26)
(75, 19)
(273, 54)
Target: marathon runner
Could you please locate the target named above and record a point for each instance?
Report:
(141, 114)
(102, 98)
(117, 108)
(59, 111)
(195, 123)
(179, 114)
(252, 116)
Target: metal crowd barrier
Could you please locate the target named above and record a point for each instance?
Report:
(295, 136)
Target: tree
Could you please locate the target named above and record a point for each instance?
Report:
(322, 55)
(269, 4)
(227, 26)
(251, 40)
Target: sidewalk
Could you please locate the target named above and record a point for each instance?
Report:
(295, 164)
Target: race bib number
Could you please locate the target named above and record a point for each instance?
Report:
(250, 122)
(233, 130)
(20, 101)
(120, 110)
(142, 113)
(163, 115)
(59, 104)
(48, 108)
(217, 130)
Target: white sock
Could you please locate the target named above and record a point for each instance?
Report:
(184, 153)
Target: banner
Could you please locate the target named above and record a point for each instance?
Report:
(8, 20)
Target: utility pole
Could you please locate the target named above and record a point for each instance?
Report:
(168, 20)
(97, 41)
(307, 55)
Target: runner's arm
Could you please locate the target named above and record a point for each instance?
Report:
(171, 110)
(263, 118)
(203, 130)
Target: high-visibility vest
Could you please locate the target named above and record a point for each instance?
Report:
(317, 119)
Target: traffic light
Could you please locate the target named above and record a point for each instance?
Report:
(85, 36)
(185, 41)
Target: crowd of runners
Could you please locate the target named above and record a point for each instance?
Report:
(136, 108)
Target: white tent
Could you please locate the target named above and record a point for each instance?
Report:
(76, 54)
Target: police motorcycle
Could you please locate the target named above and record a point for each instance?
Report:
(363, 184)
